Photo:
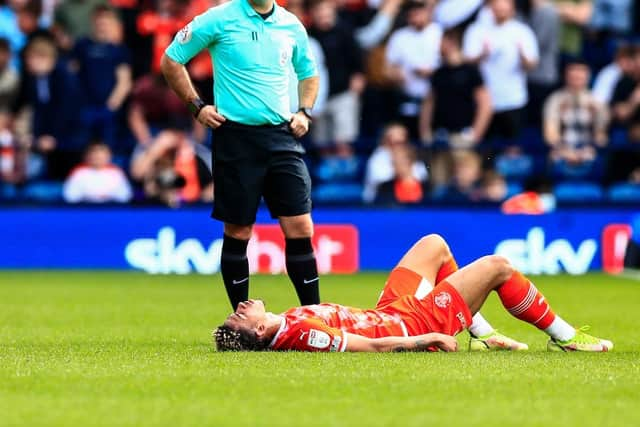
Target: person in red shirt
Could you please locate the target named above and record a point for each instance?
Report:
(411, 314)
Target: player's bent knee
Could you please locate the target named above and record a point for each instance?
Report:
(501, 267)
(433, 240)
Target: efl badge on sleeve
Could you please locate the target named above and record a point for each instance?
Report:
(184, 35)
(318, 339)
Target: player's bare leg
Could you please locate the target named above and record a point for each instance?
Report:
(522, 300)
(432, 258)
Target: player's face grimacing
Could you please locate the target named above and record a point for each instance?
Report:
(247, 315)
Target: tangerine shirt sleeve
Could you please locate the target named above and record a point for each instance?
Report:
(312, 335)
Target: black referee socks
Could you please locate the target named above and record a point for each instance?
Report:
(302, 269)
(234, 267)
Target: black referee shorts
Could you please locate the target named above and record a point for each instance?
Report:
(251, 162)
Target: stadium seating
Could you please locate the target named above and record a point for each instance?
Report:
(338, 193)
(624, 192)
(578, 191)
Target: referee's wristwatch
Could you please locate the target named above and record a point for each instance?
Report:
(306, 112)
(196, 106)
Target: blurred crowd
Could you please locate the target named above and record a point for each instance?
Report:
(520, 102)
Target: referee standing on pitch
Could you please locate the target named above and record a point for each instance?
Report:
(253, 44)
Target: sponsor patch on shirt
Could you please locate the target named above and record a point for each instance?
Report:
(318, 339)
(184, 35)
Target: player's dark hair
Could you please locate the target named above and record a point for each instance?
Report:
(226, 339)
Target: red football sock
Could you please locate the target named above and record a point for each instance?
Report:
(523, 301)
(446, 269)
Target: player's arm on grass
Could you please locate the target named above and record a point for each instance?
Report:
(398, 344)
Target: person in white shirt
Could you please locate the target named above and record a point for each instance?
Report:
(605, 82)
(412, 55)
(506, 49)
(97, 180)
(380, 165)
(451, 13)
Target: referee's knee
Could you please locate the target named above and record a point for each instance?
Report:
(297, 227)
(240, 232)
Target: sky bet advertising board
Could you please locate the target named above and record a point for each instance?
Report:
(160, 241)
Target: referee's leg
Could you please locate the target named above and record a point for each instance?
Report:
(300, 258)
(287, 192)
(234, 264)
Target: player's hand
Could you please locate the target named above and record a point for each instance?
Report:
(210, 117)
(445, 342)
(299, 124)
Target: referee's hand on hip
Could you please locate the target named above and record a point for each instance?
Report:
(210, 117)
(299, 124)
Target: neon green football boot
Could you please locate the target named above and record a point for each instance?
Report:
(495, 341)
(581, 342)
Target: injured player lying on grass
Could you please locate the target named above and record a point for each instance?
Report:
(411, 314)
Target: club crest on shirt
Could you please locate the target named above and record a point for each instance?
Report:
(184, 35)
(442, 300)
(284, 57)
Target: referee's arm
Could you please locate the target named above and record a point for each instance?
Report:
(178, 79)
(308, 81)
(307, 93)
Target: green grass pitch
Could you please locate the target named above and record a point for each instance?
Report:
(127, 349)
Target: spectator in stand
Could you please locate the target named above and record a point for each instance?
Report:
(413, 54)
(611, 17)
(493, 188)
(607, 79)
(506, 50)
(625, 103)
(456, 13)
(170, 171)
(9, 79)
(465, 183)
(10, 28)
(379, 92)
(72, 21)
(543, 19)
(9, 82)
(575, 15)
(52, 94)
(297, 8)
(372, 25)
(458, 106)
(104, 74)
(97, 180)
(169, 17)
(339, 123)
(165, 159)
(575, 125)
(380, 165)
(404, 187)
